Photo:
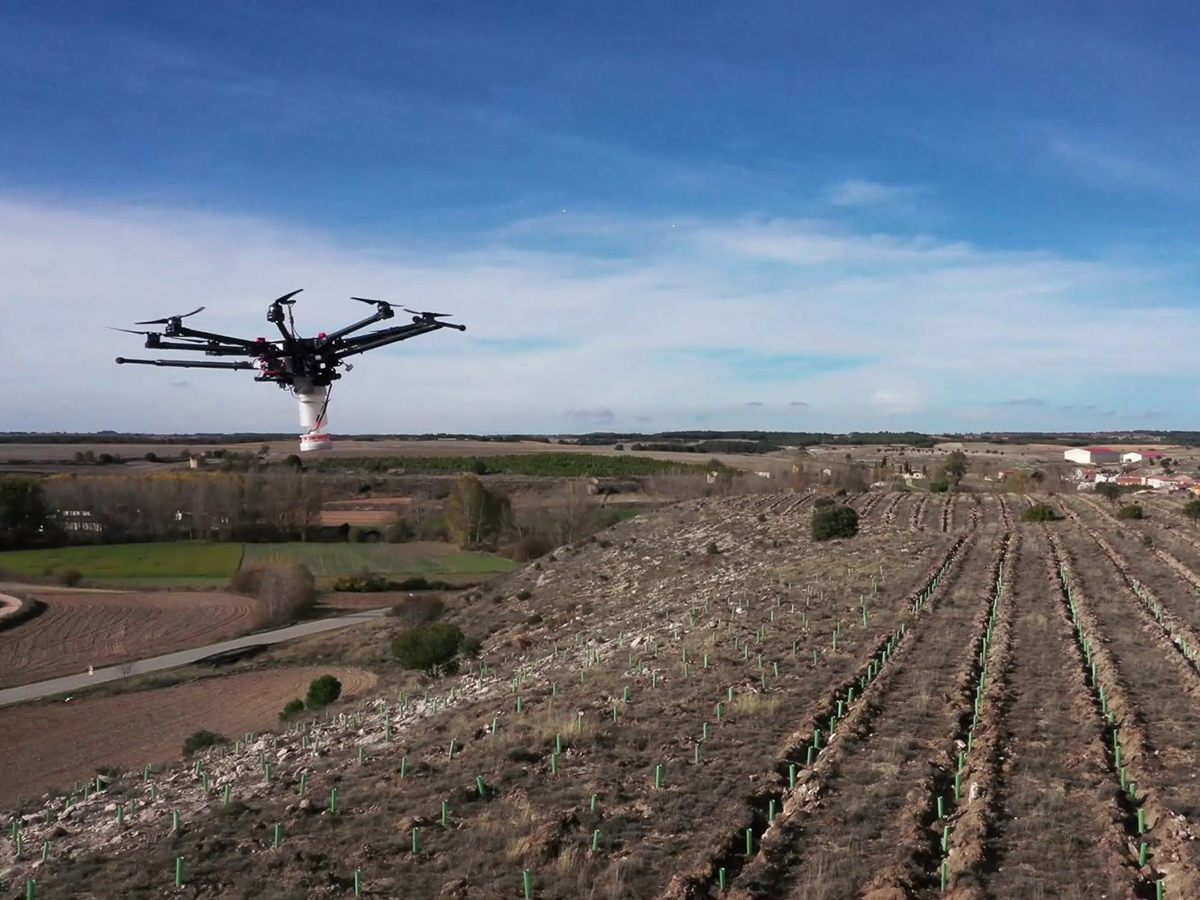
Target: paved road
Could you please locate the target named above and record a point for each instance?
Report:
(67, 683)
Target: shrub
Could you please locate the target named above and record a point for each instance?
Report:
(427, 646)
(939, 487)
(471, 647)
(1191, 509)
(69, 577)
(291, 709)
(355, 535)
(535, 619)
(367, 582)
(834, 522)
(1040, 512)
(712, 549)
(1147, 541)
(202, 739)
(531, 546)
(323, 691)
(1131, 511)
(823, 501)
(418, 610)
(524, 594)
(1109, 491)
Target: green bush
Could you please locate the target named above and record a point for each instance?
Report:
(834, 522)
(1131, 511)
(322, 691)
(524, 594)
(1040, 512)
(1191, 509)
(199, 740)
(367, 582)
(69, 577)
(471, 647)
(291, 709)
(939, 487)
(821, 502)
(427, 646)
(535, 619)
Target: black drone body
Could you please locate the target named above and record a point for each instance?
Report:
(307, 366)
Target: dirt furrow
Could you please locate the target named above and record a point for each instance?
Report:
(917, 520)
(841, 821)
(1180, 635)
(1152, 716)
(889, 512)
(808, 751)
(1055, 829)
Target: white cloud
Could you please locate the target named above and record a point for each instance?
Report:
(858, 193)
(933, 324)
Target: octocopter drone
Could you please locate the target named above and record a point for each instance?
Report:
(306, 366)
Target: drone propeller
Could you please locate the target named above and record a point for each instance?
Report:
(168, 319)
(287, 298)
(130, 330)
(427, 315)
(379, 303)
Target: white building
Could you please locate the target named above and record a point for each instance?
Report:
(1089, 456)
(1135, 456)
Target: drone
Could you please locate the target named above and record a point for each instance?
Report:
(305, 366)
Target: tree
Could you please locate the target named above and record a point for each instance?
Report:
(938, 487)
(1132, 511)
(24, 515)
(322, 691)
(834, 522)
(1109, 490)
(474, 513)
(1191, 509)
(955, 467)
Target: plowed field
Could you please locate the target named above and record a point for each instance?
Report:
(129, 730)
(100, 628)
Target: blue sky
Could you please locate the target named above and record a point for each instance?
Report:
(775, 215)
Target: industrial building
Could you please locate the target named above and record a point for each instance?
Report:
(1092, 456)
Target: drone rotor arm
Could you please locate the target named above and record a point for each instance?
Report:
(185, 363)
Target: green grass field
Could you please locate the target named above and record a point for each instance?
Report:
(183, 563)
(175, 560)
(419, 558)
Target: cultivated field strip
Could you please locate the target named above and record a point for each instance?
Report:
(971, 810)
(916, 520)
(947, 511)
(1006, 518)
(841, 700)
(1144, 582)
(890, 508)
(820, 847)
(1152, 713)
(1050, 829)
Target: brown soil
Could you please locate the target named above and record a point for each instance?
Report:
(640, 608)
(82, 628)
(50, 745)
